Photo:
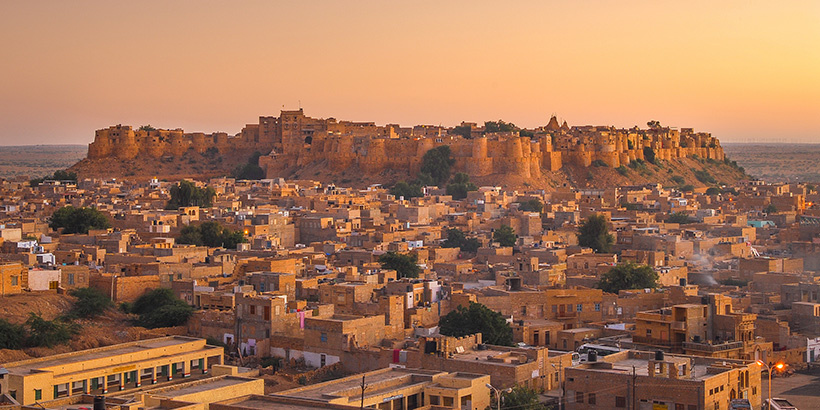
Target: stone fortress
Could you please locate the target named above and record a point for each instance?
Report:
(295, 140)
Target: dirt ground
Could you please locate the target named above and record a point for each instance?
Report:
(106, 330)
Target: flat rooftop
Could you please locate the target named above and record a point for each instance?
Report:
(378, 382)
(198, 386)
(27, 366)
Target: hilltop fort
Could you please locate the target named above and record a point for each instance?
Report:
(293, 140)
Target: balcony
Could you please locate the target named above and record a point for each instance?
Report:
(681, 326)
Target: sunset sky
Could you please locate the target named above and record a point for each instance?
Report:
(744, 70)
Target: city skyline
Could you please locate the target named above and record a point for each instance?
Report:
(744, 71)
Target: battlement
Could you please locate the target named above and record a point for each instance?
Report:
(293, 140)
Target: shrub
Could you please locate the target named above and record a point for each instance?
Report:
(704, 176)
(599, 163)
(90, 302)
(78, 220)
(12, 336)
(161, 308)
(622, 170)
(48, 333)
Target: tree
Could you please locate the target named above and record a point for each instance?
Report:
(499, 126)
(649, 155)
(531, 205)
(403, 189)
(211, 234)
(78, 220)
(505, 236)
(712, 191)
(90, 302)
(457, 239)
(628, 276)
(460, 186)
(463, 130)
(161, 308)
(521, 398)
(406, 266)
(251, 170)
(477, 318)
(12, 336)
(49, 332)
(679, 218)
(56, 176)
(186, 193)
(594, 233)
(770, 209)
(436, 163)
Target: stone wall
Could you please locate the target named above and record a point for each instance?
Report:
(295, 140)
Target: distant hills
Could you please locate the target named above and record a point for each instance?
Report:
(31, 161)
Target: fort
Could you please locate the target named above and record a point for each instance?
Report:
(295, 140)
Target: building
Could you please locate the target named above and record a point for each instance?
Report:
(99, 370)
(397, 388)
(655, 381)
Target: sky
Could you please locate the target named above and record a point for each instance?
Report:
(746, 71)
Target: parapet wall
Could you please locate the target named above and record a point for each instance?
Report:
(294, 140)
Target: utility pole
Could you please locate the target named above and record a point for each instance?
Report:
(364, 386)
(634, 379)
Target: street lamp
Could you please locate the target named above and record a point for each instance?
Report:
(497, 394)
(778, 366)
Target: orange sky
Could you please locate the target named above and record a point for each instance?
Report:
(743, 70)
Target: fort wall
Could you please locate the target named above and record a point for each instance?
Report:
(295, 140)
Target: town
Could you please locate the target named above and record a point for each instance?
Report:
(229, 293)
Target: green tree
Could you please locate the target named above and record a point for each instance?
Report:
(477, 318)
(461, 186)
(679, 218)
(78, 220)
(56, 176)
(594, 233)
(713, 191)
(405, 265)
(251, 170)
(186, 193)
(90, 302)
(457, 239)
(505, 236)
(411, 190)
(437, 163)
(628, 276)
(12, 336)
(649, 155)
(463, 130)
(521, 398)
(770, 209)
(499, 126)
(161, 308)
(211, 234)
(49, 333)
(704, 176)
(531, 205)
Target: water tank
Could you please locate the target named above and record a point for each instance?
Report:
(592, 356)
(99, 402)
(659, 356)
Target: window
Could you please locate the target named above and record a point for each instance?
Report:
(252, 309)
(70, 278)
(323, 337)
(322, 360)
(447, 401)
(579, 307)
(579, 397)
(14, 281)
(597, 307)
(620, 401)
(38, 394)
(591, 398)
(648, 332)
(13, 394)
(679, 406)
(554, 308)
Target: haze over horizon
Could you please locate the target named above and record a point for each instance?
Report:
(744, 71)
